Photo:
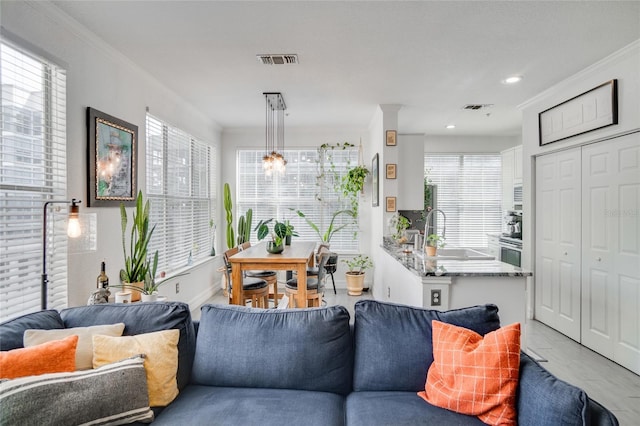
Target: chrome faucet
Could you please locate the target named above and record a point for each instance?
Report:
(435, 230)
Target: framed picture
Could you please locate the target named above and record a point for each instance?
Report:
(112, 160)
(591, 110)
(391, 204)
(391, 171)
(392, 137)
(375, 187)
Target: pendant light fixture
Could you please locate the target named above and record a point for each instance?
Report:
(273, 160)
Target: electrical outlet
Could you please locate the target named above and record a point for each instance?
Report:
(436, 297)
(177, 288)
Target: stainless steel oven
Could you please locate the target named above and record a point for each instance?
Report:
(511, 251)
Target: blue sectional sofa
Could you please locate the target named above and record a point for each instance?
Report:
(244, 366)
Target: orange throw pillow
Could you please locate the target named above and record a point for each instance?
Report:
(475, 375)
(58, 356)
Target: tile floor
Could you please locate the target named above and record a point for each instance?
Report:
(613, 386)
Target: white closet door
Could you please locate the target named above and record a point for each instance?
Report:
(611, 249)
(558, 241)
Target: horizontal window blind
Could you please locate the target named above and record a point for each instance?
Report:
(180, 172)
(33, 160)
(300, 188)
(469, 193)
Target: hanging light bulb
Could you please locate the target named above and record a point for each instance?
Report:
(274, 161)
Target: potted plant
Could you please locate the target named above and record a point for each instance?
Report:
(355, 275)
(326, 236)
(136, 263)
(352, 184)
(278, 235)
(434, 242)
(400, 224)
(289, 232)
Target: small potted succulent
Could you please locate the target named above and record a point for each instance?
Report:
(355, 275)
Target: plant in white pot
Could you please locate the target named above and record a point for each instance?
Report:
(355, 275)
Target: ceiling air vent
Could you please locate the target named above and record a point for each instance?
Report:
(277, 59)
(475, 107)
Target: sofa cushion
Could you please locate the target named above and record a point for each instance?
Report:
(475, 375)
(142, 318)
(306, 349)
(544, 399)
(84, 351)
(50, 357)
(160, 360)
(113, 394)
(12, 331)
(399, 409)
(222, 406)
(399, 338)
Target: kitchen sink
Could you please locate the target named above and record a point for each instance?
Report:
(457, 254)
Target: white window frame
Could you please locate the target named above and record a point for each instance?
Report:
(182, 194)
(470, 194)
(32, 171)
(301, 188)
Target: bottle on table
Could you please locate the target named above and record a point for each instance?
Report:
(103, 280)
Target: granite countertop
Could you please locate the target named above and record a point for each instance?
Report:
(452, 268)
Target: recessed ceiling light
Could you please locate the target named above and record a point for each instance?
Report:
(512, 79)
(451, 126)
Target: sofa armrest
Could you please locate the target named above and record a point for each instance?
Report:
(543, 399)
(600, 416)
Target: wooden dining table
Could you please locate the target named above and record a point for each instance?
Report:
(295, 257)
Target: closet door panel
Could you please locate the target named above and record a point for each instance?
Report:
(611, 249)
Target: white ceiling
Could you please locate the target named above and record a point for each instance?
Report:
(431, 57)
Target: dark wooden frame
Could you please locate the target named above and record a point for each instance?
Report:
(390, 204)
(391, 137)
(585, 128)
(391, 171)
(123, 154)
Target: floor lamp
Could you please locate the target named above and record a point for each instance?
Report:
(73, 231)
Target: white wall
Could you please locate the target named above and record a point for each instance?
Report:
(100, 77)
(623, 65)
(469, 144)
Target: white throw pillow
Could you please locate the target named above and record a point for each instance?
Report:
(84, 351)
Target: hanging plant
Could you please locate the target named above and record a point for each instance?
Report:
(352, 184)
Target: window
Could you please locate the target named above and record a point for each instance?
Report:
(299, 189)
(181, 193)
(469, 193)
(33, 170)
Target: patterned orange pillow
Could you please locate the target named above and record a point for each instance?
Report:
(475, 375)
(58, 356)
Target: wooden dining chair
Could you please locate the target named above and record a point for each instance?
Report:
(315, 285)
(271, 277)
(255, 290)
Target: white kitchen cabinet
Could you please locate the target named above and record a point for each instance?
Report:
(587, 252)
(493, 245)
(517, 164)
(511, 174)
(508, 166)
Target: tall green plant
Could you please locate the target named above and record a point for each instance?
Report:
(228, 207)
(325, 236)
(136, 265)
(244, 227)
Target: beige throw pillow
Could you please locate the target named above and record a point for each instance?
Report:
(161, 360)
(84, 351)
